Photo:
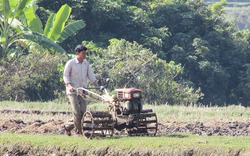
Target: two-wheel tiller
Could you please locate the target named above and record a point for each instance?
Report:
(125, 113)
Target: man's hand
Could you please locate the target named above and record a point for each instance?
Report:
(71, 89)
(101, 88)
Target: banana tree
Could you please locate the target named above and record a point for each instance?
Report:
(9, 27)
(55, 30)
(18, 22)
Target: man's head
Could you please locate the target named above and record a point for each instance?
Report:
(80, 48)
(80, 52)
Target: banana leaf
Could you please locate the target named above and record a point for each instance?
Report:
(49, 24)
(59, 22)
(1, 7)
(13, 4)
(5, 8)
(43, 41)
(32, 46)
(33, 21)
(21, 6)
(71, 29)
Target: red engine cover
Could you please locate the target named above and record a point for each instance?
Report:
(128, 90)
(125, 93)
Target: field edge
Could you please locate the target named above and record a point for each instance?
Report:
(174, 144)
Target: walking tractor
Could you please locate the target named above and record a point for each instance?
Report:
(125, 114)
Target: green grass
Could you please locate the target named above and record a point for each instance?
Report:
(202, 113)
(43, 106)
(194, 113)
(172, 142)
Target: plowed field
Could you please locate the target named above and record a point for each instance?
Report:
(37, 122)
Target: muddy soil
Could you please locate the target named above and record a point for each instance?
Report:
(57, 127)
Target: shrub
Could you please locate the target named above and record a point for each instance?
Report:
(33, 77)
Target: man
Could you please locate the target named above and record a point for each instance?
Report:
(76, 73)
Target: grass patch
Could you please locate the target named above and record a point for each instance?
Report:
(197, 113)
(191, 114)
(172, 140)
(173, 143)
(46, 106)
(42, 106)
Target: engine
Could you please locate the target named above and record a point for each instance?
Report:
(130, 100)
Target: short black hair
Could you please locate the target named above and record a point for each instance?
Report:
(80, 47)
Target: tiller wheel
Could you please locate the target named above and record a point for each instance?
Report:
(97, 124)
(144, 123)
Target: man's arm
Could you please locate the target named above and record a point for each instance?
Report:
(66, 77)
(96, 83)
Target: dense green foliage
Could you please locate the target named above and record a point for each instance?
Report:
(34, 77)
(176, 51)
(130, 65)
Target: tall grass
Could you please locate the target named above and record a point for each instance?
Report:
(199, 113)
(42, 106)
(165, 113)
